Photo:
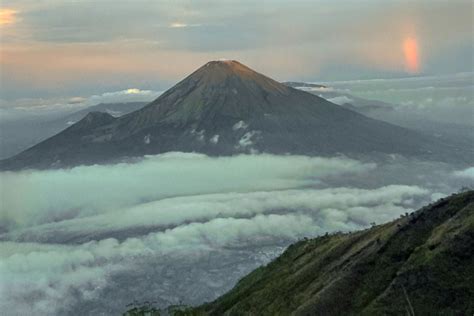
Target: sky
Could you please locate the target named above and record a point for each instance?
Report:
(51, 48)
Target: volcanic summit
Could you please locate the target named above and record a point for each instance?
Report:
(225, 108)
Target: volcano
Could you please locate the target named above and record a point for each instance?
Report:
(226, 108)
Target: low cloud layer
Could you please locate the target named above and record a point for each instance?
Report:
(84, 270)
(183, 227)
(35, 197)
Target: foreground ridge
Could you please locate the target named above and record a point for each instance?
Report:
(422, 263)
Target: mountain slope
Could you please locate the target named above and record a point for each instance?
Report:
(420, 264)
(226, 108)
(114, 109)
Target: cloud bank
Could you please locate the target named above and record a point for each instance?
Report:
(35, 197)
(466, 173)
(181, 227)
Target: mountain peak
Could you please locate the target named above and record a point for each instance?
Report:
(221, 89)
(224, 61)
(227, 63)
(216, 71)
(230, 76)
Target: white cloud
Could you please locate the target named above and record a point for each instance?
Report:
(127, 95)
(172, 212)
(182, 25)
(178, 25)
(33, 197)
(133, 91)
(76, 100)
(340, 100)
(466, 173)
(316, 89)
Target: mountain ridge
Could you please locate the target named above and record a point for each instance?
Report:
(19, 134)
(421, 263)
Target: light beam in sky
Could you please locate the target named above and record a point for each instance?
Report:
(410, 50)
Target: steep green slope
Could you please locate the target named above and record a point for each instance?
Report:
(420, 264)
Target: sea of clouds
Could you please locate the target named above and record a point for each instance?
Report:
(183, 228)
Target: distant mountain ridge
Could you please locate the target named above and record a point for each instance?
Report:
(420, 264)
(28, 130)
(455, 133)
(226, 108)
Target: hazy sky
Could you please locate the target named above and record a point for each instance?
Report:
(68, 48)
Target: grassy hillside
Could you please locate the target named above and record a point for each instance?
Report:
(420, 264)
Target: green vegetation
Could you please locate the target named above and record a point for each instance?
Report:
(420, 264)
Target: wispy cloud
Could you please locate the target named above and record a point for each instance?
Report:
(178, 25)
(182, 25)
